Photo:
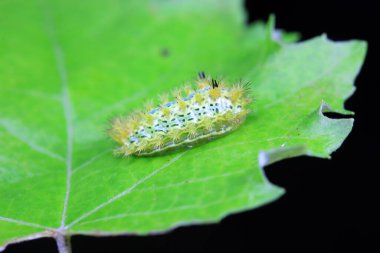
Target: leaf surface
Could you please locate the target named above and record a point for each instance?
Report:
(67, 67)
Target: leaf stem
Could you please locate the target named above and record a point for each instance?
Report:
(63, 243)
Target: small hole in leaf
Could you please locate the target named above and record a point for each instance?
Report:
(165, 52)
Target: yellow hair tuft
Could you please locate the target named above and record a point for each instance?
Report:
(164, 98)
(198, 98)
(182, 105)
(214, 93)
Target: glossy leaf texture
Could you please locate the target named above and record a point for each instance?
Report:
(67, 67)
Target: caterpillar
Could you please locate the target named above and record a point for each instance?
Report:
(195, 115)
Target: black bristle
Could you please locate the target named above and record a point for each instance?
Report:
(201, 75)
(214, 84)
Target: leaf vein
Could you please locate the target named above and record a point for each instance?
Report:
(91, 160)
(66, 103)
(33, 146)
(127, 191)
(25, 223)
(181, 208)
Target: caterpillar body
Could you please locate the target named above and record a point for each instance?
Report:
(195, 115)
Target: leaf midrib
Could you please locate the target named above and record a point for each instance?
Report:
(66, 103)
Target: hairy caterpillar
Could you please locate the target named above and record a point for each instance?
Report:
(194, 115)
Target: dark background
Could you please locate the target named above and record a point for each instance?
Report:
(329, 204)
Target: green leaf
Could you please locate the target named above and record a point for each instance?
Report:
(67, 67)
